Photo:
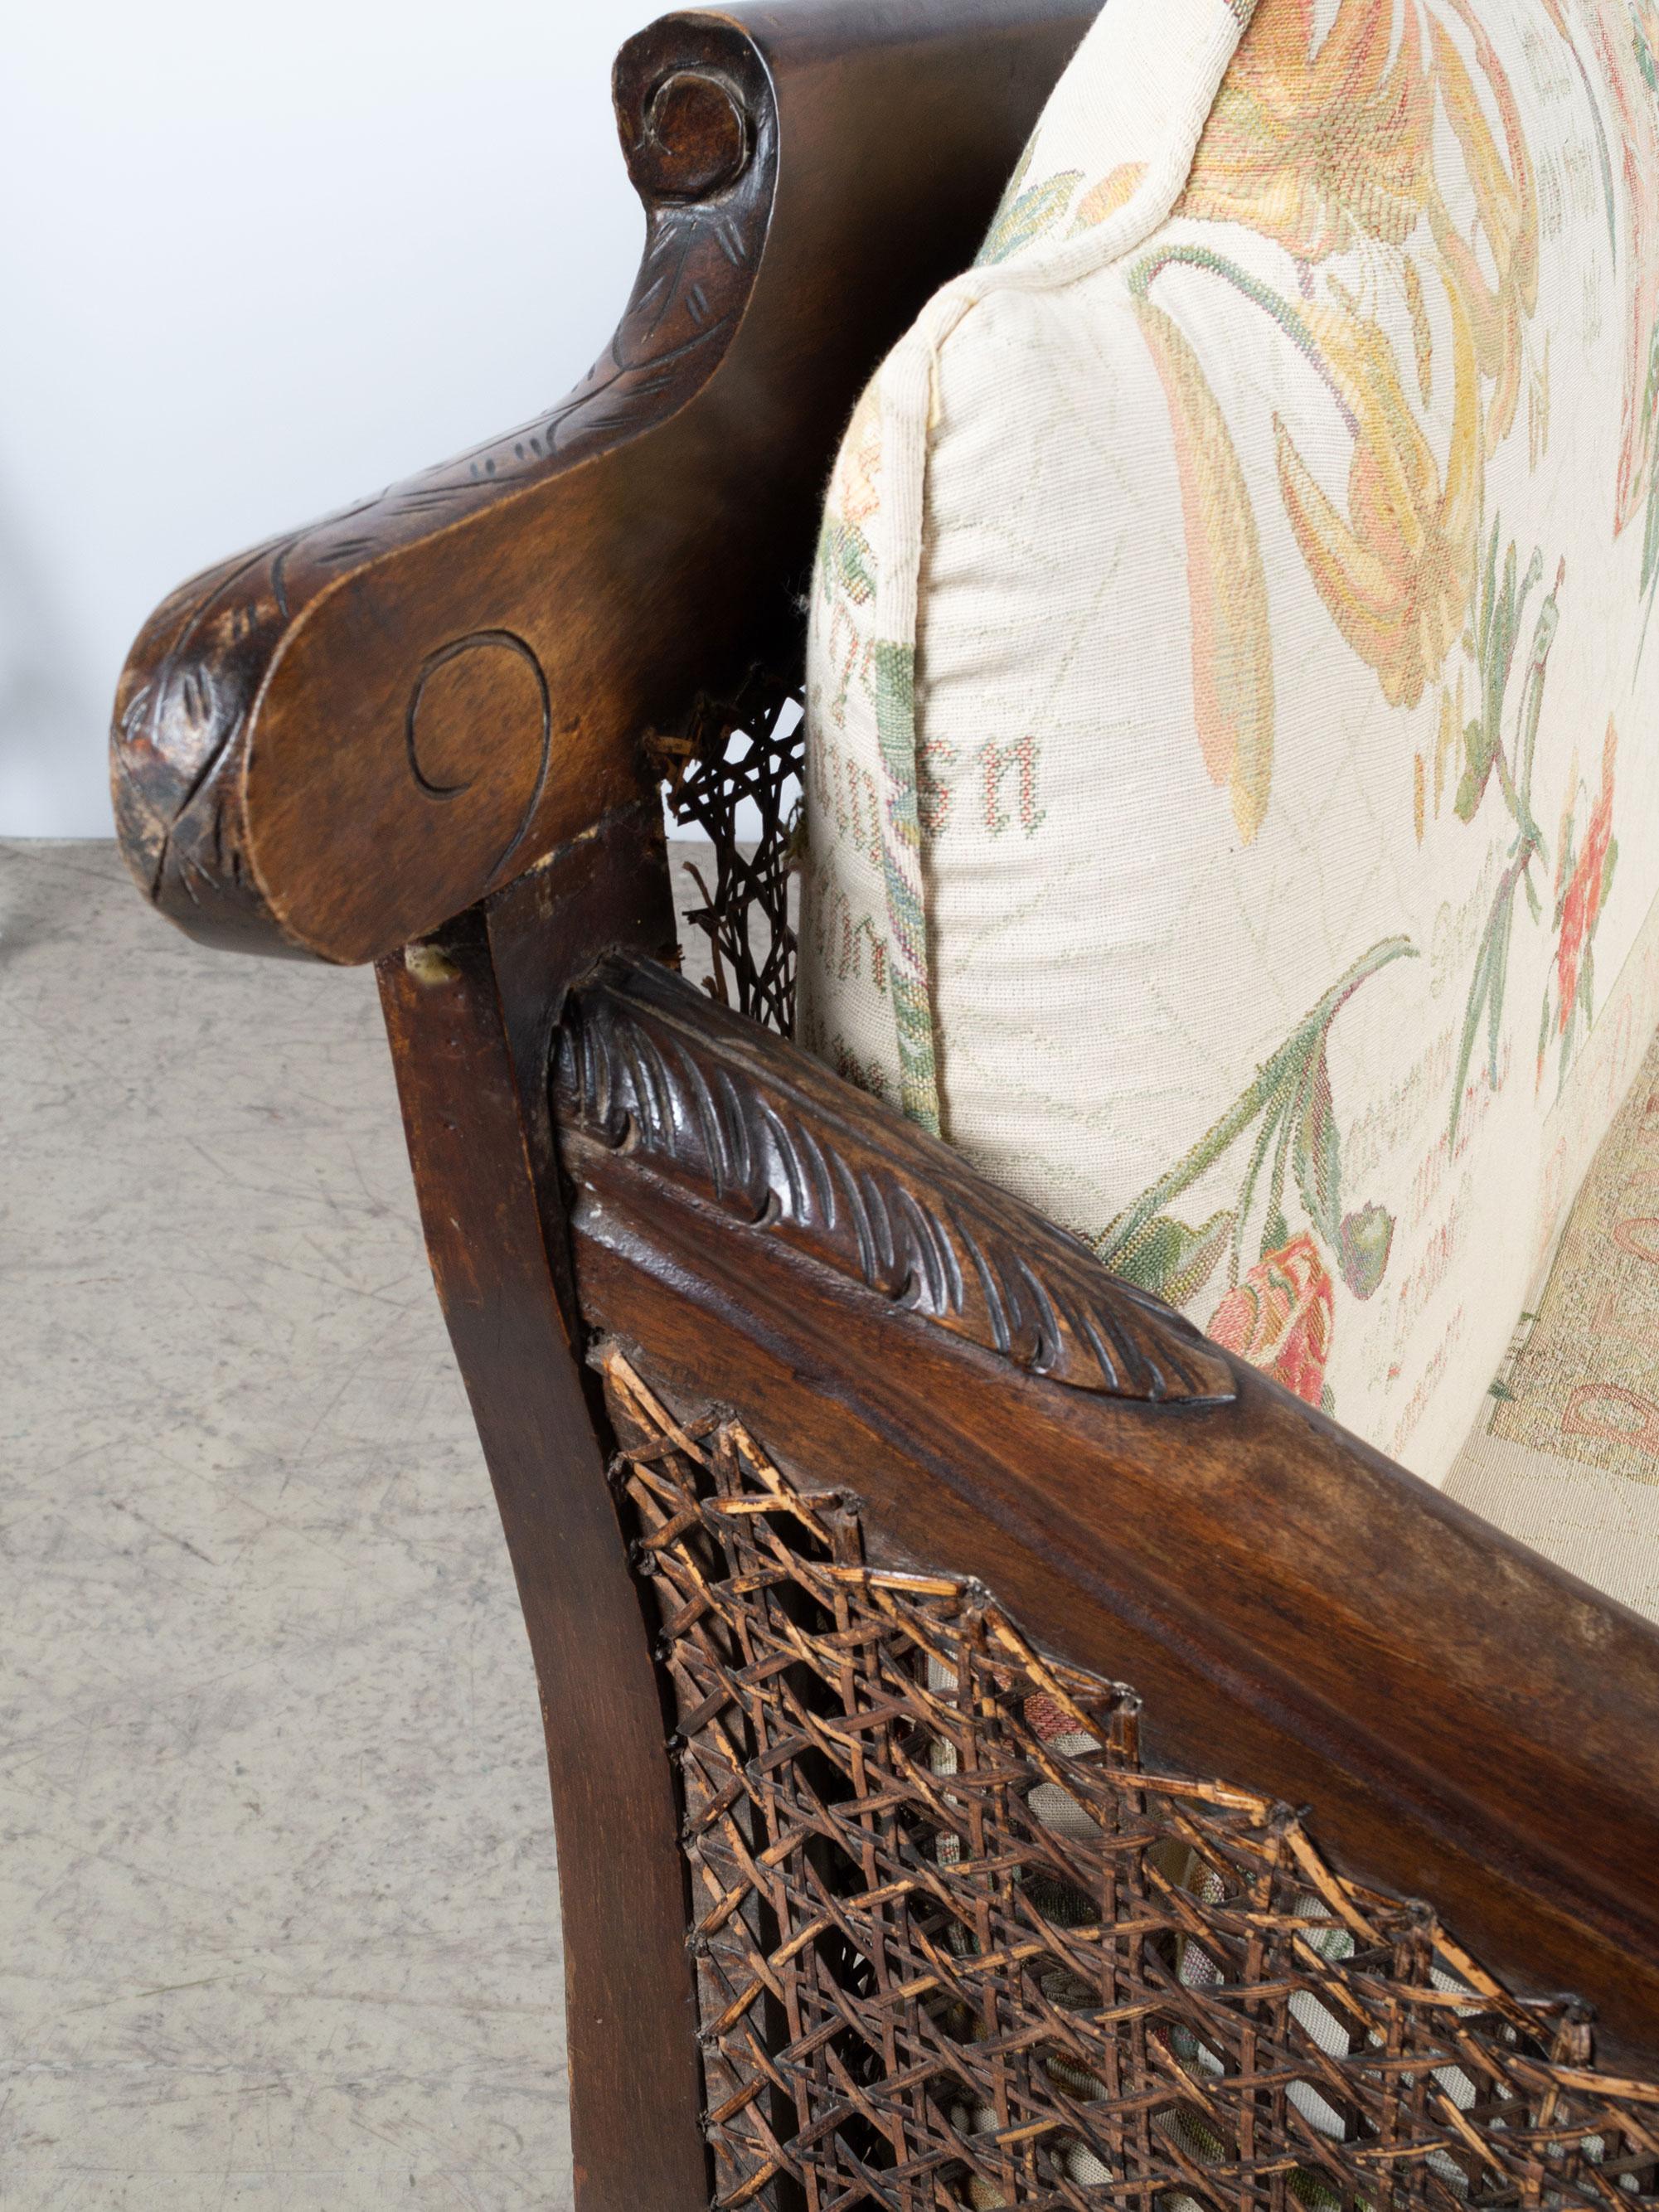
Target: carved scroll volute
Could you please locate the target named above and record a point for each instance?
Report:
(647, 1066)
(336, 741)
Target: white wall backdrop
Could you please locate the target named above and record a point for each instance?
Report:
(254, 262)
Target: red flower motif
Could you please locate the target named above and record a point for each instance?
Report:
(1579, 905)
(1279, 1318)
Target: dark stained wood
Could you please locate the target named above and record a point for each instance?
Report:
(469, 1014)
(335, 741)
(441, 703)
(438, 704)
(1468, 1722)
(610, 888)
(1123, 1877)
(881, 1202)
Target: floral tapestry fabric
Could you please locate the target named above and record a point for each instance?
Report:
(1566, 1457)
(1233, 724)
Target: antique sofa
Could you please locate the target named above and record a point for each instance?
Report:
(1013, 1742)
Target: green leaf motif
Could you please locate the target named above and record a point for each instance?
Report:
(1500, 613)
(1028, 217)
(1172, 1261)
(845, 563)
(1644, 59)
(1288, 1116)
(1364, 1241)
(1471, 785)
(1496, 631)
(1317, 1152)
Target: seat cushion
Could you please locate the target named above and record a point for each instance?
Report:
(1564, 1455)
(1233, 761)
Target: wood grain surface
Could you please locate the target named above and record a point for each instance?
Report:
(331, 743)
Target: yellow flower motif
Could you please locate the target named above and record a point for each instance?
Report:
(1232, 646)
(856, 492)
(1319, 150)
(1506, 204)
(1104, 199)
(1396, 572)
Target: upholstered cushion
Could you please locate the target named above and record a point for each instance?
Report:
(1565, 1453)
(1233, 785)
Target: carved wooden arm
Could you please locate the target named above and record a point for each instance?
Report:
(1005, 1482)
(954, 1396)
(1469, 1722)
(332, 743)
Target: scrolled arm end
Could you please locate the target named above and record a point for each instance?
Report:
(332, 744)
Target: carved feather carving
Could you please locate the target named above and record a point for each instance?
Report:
(644, 1065)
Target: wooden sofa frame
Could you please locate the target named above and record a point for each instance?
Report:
(430, 732)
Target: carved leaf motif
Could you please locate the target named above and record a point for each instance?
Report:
(644, 1064)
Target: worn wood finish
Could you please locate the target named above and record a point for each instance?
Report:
(913, 1954)
(607, 888)
(468, 1013)
(335, 741)
(896, 1210)
(1469, 1723)
(443, 703)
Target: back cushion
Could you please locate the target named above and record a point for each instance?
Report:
(1233, 787)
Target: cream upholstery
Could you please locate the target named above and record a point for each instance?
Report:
(1565, 1452)
(1233, 725)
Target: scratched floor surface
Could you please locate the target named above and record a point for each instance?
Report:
(277, 1903)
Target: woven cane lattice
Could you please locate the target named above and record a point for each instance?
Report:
(956, 1947)
(749, 748)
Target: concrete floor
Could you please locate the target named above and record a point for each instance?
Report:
(278, 1920)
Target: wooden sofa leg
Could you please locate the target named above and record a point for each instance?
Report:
(464, 1011)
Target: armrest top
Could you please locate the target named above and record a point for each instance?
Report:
(329, 744)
